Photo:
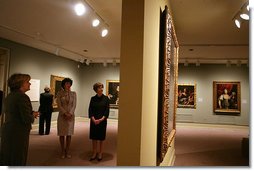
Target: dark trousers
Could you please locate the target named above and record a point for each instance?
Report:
(44, 117)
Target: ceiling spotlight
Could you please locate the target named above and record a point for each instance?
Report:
(96, 22)
(79, 9)
(197, 63)
(238, 23)
(87, 62)
(104, 32)
(104, 63)
(114, 62)
(228, 64)
(244, 16)
(57, 52)
(238, 63)
(186, 63)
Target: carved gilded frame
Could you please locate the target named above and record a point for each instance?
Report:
(55, 86)
(234, 101)
(189, 101)
(168, 75)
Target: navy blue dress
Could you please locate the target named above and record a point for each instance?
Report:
(98, 107)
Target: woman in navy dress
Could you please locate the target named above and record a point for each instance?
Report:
(98, 114)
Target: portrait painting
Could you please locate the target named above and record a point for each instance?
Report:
(226, 97)
(186, 96)
(112, 91)
(55, 86)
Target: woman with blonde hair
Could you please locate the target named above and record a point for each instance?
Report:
(18, 119)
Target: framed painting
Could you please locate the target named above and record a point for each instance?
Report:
(167, 91)
(226, 97)
(186, 96)
(112, 91)
(55, 86)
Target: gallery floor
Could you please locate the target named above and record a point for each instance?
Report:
(196, 145)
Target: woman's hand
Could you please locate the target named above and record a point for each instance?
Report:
(97, 121)
(68, 116)
(101, 119)
(36, 114)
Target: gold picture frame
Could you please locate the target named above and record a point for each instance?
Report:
(112, 91)
(227, 97)
(168, 75)
(55, 86)
(186, 96)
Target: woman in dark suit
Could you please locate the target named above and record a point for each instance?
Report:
(98, 114)
(18, 119)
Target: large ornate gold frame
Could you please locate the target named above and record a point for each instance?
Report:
(168, 75)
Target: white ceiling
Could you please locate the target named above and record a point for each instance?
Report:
(206, 26)
(52, 24)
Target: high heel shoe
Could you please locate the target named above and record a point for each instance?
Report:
(93, 157)
(67, 155)
(99, 157)
(62, 155)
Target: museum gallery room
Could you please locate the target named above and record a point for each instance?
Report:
(175, 77)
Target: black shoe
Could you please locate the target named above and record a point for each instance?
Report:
(92, 158)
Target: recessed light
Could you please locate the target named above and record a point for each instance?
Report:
(80, 9)
(96, 22)
(104, 32)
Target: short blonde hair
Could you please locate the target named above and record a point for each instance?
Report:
(17, 80)
(97, 85)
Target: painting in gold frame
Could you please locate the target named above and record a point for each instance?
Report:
(226, 97)
(112, 91)
(186, 96)
(167, 95)
(55, 86)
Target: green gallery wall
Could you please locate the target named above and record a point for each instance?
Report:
(203, 76)
(40, 65)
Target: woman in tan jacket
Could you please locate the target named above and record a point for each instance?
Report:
(66, 102)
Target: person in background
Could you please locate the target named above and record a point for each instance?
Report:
(66, 102)
(45, 109)
(18, 119)
(98, 114)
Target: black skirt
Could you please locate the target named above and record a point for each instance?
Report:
(98, 132)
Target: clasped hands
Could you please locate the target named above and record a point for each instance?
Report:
(36, 114)
(68, 116)
(97, 121)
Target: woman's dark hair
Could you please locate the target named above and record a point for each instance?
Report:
(17, 80)
(96, 86)
(66, 80)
